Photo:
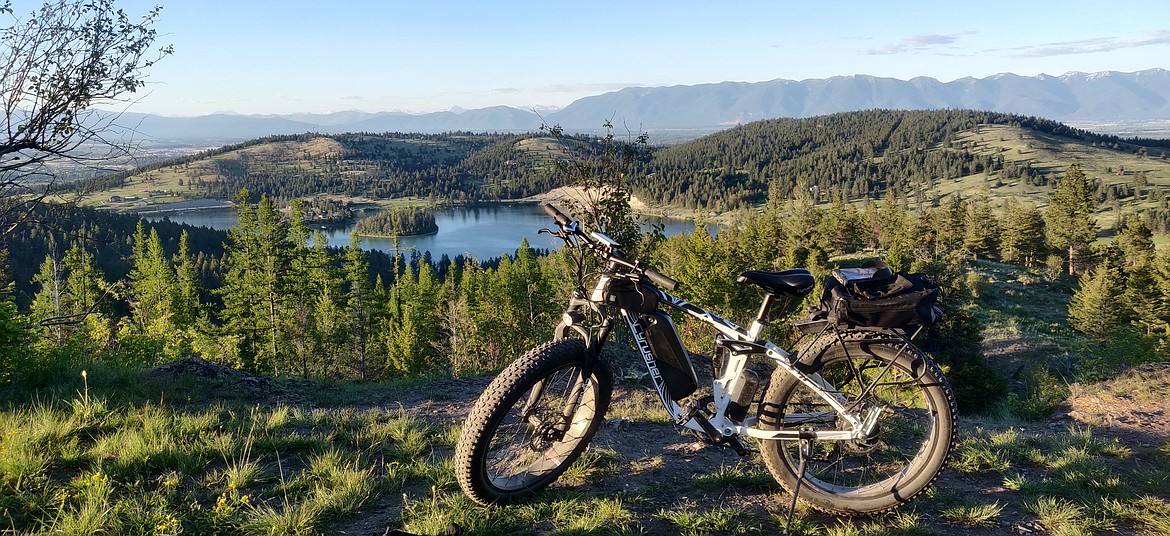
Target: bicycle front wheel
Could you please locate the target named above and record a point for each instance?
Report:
(872, 374)
(532, 422)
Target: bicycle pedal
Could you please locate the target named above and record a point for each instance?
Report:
(737, 444)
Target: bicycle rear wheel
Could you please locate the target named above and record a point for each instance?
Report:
(531, 423)
(915, 427)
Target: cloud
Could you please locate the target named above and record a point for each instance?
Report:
(916, 43)
(352, 97)
(1090, 46)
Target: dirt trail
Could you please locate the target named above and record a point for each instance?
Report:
(664, 467)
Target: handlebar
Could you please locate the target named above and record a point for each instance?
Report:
(564, 221)
(557, 215)
(662, 280)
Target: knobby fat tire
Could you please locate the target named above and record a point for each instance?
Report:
(505, 393)
(923, 469)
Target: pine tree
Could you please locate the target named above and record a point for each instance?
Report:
(458, 325)
(1070, 224)
(330, 327)
(255, 287)
(303, 286)
(843, 228)
(49, 303)
(1136, 240)
(1094, 309)
(152, 285)
(1021, 238)
(800, 225)
(981, 228)
(1142, 296)
(357, 303)
(187, 309)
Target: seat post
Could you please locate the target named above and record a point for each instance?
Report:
(761, 317)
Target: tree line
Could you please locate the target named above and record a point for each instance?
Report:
(398, 222)
(864, 154)
(286, 304)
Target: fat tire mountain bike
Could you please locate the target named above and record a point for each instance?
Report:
(858, 421)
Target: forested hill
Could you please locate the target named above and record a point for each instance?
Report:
(454, 166)
(917, 155)
(865, 154)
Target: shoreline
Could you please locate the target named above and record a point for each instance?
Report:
(363, 235)
(637, 207)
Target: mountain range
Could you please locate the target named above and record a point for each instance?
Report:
(1085, 97)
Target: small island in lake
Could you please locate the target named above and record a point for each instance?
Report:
(397, 222)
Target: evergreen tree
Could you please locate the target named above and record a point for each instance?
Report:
(331, 326)
(843, 227)
(1136, 241)
(1094, 309)
(896, 234)
(358, 304)
(1069, 222)
(458, 323)
(1148, 306)
(188, 309)
(801, 225)
(1022, 237)
(152, 285)
(49, 303)
(303, 288)
(255, 287)
(981, 228)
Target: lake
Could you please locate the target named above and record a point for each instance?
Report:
(480, 231)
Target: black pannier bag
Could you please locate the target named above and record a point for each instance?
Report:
(636, 297)
(875, 296)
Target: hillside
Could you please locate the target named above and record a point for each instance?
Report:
(921, 156)
(453, 167)
(197, 447)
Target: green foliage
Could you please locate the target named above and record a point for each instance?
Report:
(1022, 234)
(257, 285)
(1093, 309)
(13, 341)
(1069, 221)
(397, 222)
(1043, 392)
(601, 170)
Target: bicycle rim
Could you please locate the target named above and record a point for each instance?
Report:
(528, 444)
(900, 447)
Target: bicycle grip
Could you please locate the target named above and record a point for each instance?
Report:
(662, 280)
(557, 215)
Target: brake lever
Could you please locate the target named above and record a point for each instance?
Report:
(556, 234)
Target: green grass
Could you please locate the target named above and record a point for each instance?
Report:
(106, 459)
(692, 520)
(974, 515)
(1050, 154)
(86, 465)
(738, 476)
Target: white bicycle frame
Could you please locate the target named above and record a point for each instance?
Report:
(860, 424)
(732, 375)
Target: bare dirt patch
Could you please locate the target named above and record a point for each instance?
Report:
(1134, 406)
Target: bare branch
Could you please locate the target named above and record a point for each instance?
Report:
(56, 65)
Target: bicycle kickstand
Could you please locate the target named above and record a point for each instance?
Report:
(806, 451)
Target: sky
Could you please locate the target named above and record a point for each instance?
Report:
(294, 56)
